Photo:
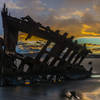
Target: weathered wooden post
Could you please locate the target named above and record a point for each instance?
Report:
(76, 49)
(42, 51)
(10, 32)
(70, 49)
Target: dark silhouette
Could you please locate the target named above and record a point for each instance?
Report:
(1, 54)
(75, 51)
(70, 45)
(55, 60)
(82, 54)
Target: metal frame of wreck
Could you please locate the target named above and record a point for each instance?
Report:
(55, 61)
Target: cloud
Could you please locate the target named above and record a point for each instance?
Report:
(62, 17)
(32, 7)
(86, 28)
(97, 10)
(71, 16)
(10, 4)
(25, 7)
(51, 9)
(13, 5)
(78, 13)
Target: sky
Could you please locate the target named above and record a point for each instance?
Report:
(80, 18)
(77, 17)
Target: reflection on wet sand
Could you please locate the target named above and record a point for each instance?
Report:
(89, 89)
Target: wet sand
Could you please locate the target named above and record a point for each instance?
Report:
(90, 90)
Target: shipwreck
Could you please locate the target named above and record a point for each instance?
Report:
(62, 60)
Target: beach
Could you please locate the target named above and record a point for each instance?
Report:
(88, 88)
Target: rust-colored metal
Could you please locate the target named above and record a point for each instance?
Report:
(13, 25)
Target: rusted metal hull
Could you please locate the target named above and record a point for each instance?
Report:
(57, 61)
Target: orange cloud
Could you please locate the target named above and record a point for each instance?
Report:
(78, 13)
(85, 28)
(22, 37)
